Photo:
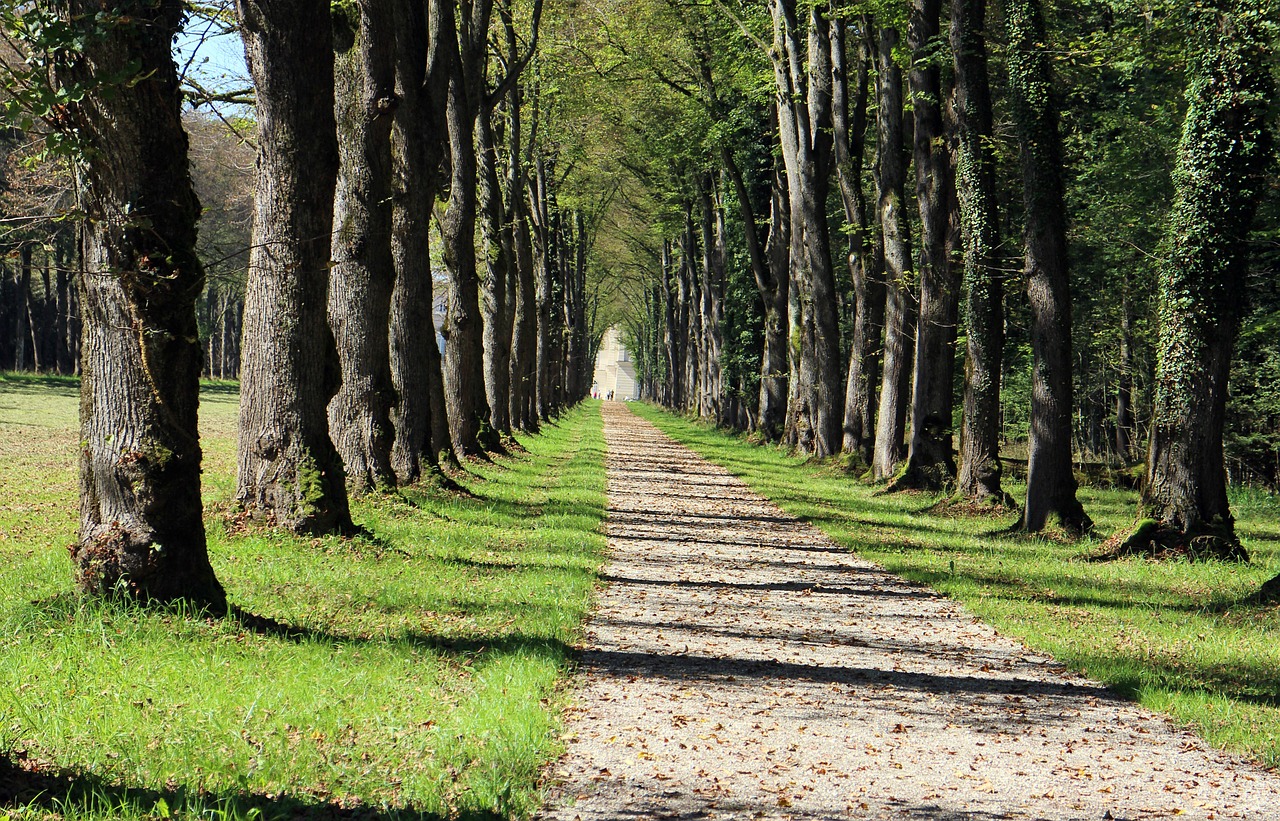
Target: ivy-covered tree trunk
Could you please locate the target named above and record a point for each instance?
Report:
(1226, 148)
(930, 455)
(287, 468)
(979, 477)
(141, 527)
(1051, 482)
(895, 383)
(363, 275)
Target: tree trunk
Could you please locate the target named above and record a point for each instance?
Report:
(287, 467)
(1225, 150)
(417, 151)
(63, 322)
(22, 308)
(979, 479)
(895, 383)
(141, 527)
(930, 457)
(363, 276)
(712, 225)
(496, 284)
(850, 119)
(1051, 482)
(1124, 389)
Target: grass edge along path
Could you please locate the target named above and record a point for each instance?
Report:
(1176, 637)
(416, 673)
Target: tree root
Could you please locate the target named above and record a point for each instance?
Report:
(1152, 540)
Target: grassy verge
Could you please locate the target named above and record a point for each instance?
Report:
(419, 674)
(1173, 636)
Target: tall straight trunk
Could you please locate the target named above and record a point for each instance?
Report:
(692, 311)
(895, 383)
(1124, 389)
(1051, 481)
(579, 359)
(22, 332)
(930, 457)
(540, 213)
(524, 340)
(979, 478)
(804, 104)
(63, 319)
(713, 262)
(464, 345)
(850, 120)
(287, 468)
(670, 332)
(48, 317)
(770, 283)
(1226, 147)
(141, 526)
(496, 277)
(417, 149)
(363, 275)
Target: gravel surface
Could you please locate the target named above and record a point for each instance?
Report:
(740, 664)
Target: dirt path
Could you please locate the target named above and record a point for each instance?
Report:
(741, 665)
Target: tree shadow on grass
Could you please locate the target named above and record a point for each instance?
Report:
(24, 785)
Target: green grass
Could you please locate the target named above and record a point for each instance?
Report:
(1175, 636)
(420, 672)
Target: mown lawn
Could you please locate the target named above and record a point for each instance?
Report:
(1178, 637)
(412, 672)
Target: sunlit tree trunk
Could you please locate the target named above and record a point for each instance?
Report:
(1226, 149)
(141, 527)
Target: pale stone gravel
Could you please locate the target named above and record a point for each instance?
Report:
(740, 664)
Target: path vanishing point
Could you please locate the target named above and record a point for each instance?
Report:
(740, 664)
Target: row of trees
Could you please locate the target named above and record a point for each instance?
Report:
(371, 119)
(855, 188)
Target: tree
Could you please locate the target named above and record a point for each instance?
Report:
(363, 277)
(1225, 150)
(979, 477)
(287, 467)
(1051, 482)
(141, 527)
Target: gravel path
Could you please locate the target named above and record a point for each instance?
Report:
(741, 665)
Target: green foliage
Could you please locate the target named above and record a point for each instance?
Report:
(1179, 637)
(413, 671)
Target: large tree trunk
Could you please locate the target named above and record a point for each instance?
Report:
(363, 276)
(287, 468)
(895, 383)
(141, 527)
(712, 296)
(1051, 482)
(540, 216)
(1124, 389)
(417, 151)
(1225, 150)
(524, 337)
(979, 478)
(930, 457)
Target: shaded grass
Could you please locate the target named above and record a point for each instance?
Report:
(411, 673)
(1179, 637)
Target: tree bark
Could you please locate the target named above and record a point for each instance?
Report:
(1226, 147)
(1051, 482)
(930, 456)
(417, 151)
(979, 478)
(850, 121)
(141, 527)
(363, 276)
(1124, 388)
(895, 383)
(496, 299)
(287, 468)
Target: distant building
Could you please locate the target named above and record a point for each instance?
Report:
(615, 371)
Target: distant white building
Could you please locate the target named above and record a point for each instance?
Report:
(615, 371)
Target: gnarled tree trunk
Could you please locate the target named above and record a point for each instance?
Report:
(141, 527)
